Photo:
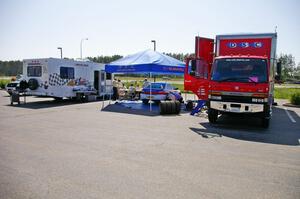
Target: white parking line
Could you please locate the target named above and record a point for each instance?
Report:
(289, 115)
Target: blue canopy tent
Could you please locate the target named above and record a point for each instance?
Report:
(147, 61)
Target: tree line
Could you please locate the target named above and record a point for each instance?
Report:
(290, 71)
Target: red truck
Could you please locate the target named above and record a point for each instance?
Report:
(234, 74)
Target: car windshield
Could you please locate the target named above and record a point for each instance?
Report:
(156, 86)
(240, 70)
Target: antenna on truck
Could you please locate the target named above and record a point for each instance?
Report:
(275, 29)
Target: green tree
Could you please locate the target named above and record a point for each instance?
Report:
(288, 66)
(105, 59)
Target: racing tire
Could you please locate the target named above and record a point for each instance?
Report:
(173, 107)
(212, 116)
(162, 107)
(33, 84)
(168, 107)
(178, 107)
(145, 101)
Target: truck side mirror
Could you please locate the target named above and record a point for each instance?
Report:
(278, 68)
(278, 72)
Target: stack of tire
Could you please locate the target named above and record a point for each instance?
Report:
(169, 107)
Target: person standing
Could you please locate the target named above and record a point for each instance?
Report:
(115, 89)
(146, 83)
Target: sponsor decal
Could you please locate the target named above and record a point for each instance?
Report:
(245, 44)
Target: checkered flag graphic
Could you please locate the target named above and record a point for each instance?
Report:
(56, 80)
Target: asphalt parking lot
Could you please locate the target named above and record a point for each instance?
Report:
(70, 150)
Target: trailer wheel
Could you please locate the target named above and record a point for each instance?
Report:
(162, 107)
(178, 107)
(212, 116)
(265, 122)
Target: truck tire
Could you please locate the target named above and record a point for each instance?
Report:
(212, 115)
(145, 101)
(33, 84)
(265, 122)
(162, 107)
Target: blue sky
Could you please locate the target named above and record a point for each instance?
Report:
(35, 28)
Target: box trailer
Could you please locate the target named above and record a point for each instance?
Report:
(65, 78)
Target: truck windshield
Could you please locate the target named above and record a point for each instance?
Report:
(240, 70)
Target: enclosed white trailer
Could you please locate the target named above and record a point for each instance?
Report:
(65, 78)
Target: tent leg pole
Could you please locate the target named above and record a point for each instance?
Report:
(150, 93)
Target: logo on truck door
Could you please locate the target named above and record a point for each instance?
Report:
(245, 44)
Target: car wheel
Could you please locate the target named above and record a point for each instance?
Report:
(157, 102)
(145, 101)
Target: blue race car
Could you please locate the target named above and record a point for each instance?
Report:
(159, 92)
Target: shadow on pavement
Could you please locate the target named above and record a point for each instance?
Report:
(44, 104)
(281, 131)
(132, 108)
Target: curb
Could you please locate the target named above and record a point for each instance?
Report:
(291, 105)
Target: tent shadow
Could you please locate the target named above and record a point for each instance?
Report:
(281, 130)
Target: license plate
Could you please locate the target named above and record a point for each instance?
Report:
(150, 97)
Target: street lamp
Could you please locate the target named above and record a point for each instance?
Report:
(81, 46)
(60, 48)
(154, 42)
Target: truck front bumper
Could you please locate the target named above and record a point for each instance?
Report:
(234, 107)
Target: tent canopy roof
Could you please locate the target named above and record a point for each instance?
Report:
(146, 61)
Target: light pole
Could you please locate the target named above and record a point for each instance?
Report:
(60, 48)
(81, 46)
(154, 42)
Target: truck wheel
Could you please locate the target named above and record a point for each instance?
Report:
(212, 116)
(265, 122)
(145, 101)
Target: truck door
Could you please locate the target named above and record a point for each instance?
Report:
(197, 72)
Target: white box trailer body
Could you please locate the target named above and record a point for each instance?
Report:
(64, 78)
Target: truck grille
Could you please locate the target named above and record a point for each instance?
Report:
(240, 99)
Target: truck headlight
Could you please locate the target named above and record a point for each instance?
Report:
(216, 97)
